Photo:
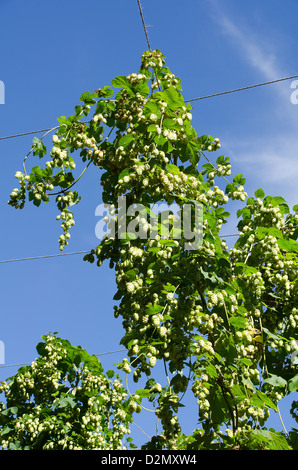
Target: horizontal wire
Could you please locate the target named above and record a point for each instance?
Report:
(73, 253)
(29, 363)
(143, 22)
(44, 256)
(242, 89)
(25, 133)
(186, 101)
(86, 251)
(15, 365)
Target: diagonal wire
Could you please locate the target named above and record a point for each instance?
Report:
(25, 133)
(73, 253)
(144, 26)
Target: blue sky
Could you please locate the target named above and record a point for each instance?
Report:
(51, 52)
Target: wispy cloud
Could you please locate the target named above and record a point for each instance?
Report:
(271, 159)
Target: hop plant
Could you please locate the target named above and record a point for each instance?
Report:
(64, 401)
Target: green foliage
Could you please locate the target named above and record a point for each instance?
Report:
(63, 401)
(222, 321)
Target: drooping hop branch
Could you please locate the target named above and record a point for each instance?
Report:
(223, 322)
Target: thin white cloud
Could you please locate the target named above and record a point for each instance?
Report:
(270, 160)
(252, 47)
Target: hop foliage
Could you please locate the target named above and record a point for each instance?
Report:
(222, 321)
